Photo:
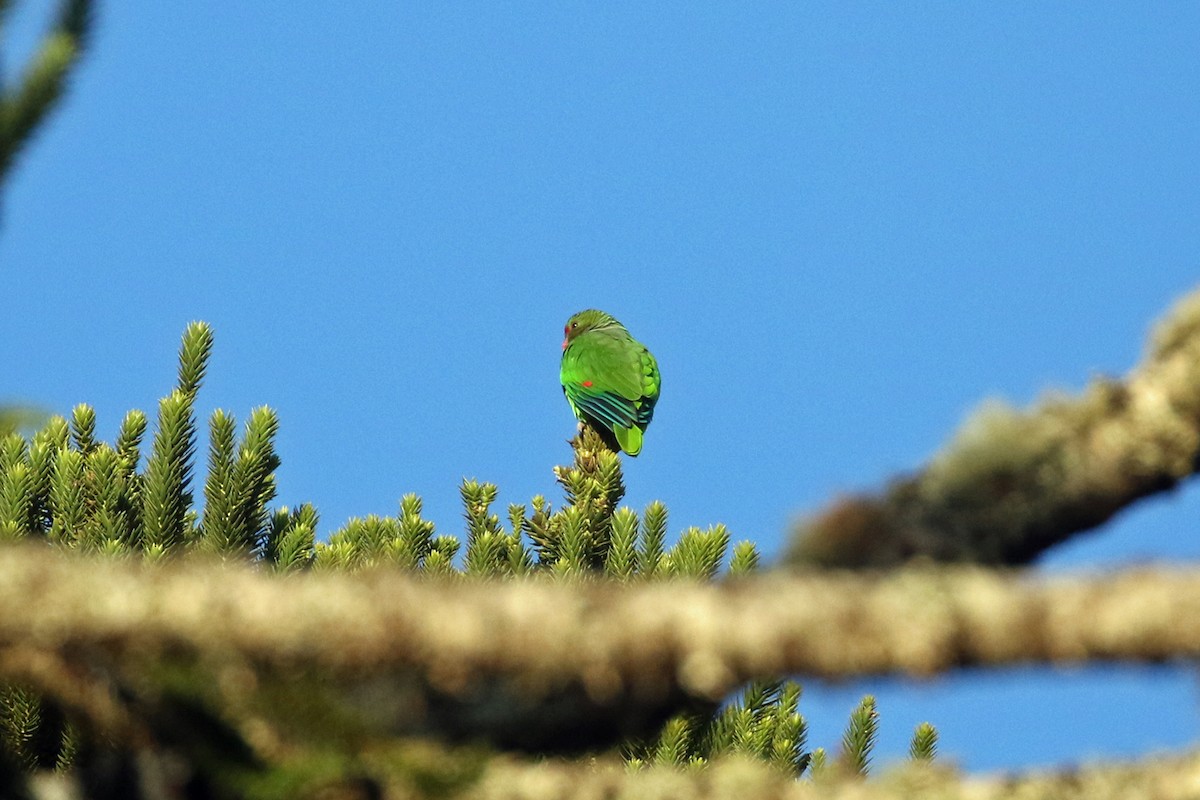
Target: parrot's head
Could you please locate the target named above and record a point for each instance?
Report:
(584, 321)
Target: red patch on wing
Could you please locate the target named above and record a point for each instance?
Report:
(587, 384)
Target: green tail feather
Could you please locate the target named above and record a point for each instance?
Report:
(630, 439)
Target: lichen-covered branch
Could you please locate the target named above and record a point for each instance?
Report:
(1013, 483)
(429, 773)
(540, 664)
(1164, 778)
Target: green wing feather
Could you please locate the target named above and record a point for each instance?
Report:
(612, 380)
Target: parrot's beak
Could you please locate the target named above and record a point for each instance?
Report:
(564, 344)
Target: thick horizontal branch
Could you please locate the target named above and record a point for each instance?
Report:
(538, 665)
(1172, 778)
(1164, 778)
(1013, 483)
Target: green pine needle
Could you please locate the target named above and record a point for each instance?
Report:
(83, 428)
(193, 357)
(290, 543)
(41, 460)
(859, 738)
(622, 561)
(414, 540)
(745, 559)
(654, 536)
(573, 558)
(818, 763)
(16, 502)
(111, 501)
(924, 743)
(673, 745)
(167, 498)
(67, 500)
(13, 451)
(218, 523)
(129, 439)
(54, 434)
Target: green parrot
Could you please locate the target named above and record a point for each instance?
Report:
(610, 379)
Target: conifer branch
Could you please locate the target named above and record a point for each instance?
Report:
(622, 556)
(41, 462)
(594, 487)
(415, 541)
(745, 559)
(24, 105)
(67, 501)
(859, 739)
(106, 481)
(16, 498)
(13, 450)
(193, 357)
(818, 764)
(654, 535)
(1013, 483)
(169, 474)
(14, 418)
(54, 434)
(129, 439)
(83, 428)
(290, 540)
(253, 481)
(217, 525)
(924, 743)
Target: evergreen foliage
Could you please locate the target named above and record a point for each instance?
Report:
(859, 738)
(64, 486)
(818, 764)
(26, 102)
(924, 743)
(762, 723)
(34, 732)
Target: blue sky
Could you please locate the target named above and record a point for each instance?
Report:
(838, 227)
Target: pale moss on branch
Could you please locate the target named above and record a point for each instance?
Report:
(1012, 483)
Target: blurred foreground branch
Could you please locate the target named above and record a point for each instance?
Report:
(15, 417)
(1012, 484)
(1153, 779)
(25, 103)
(538, 664)
(502, 778)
